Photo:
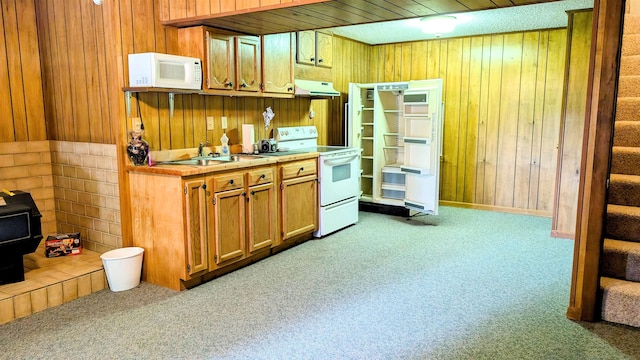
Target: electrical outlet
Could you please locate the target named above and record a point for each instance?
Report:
(136, 123)
(224, 122)
(209, 122)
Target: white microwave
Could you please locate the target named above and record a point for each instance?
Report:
(164, 71)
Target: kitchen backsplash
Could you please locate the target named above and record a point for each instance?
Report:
(85, 180)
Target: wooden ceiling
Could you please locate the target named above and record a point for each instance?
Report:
(335, 13)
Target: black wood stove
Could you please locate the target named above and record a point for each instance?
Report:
(20, 233)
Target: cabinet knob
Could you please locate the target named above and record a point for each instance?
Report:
(262, 176)
(301, 169)
(290, 89)
(244, 85)
(204, 186)
(312, 59)
(319, 60)
(231, 181)
(253, 192)
(229, 84)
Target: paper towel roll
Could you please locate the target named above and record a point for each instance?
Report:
(248, 138)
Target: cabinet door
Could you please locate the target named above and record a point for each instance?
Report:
(220, 56)
(261, 206)
(195, 214)
(306, 53)
(277, 63)
(248, 63)
(299, 209)
(324, 49)
(228, 226)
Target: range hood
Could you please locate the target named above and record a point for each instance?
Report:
(315, 88)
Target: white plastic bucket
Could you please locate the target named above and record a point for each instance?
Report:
(123, 267)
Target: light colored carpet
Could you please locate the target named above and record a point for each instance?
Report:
(466, 284)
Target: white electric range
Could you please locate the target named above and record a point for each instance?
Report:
(338, 176)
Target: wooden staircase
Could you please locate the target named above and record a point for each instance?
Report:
(620, 265)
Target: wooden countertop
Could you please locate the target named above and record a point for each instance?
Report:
(189, 170)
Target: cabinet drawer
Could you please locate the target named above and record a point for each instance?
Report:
(299, 168)
(260, 176)
(228, 182)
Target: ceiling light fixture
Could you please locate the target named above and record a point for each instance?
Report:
(438, 25)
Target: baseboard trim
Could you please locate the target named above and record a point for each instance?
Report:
(563, 235)
(504, 209)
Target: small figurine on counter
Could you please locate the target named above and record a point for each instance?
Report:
(137, 148)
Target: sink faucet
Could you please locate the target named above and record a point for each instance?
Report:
(201, 146)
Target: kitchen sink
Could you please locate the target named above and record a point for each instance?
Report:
(234, 157)
(197, 162)
(211, 160)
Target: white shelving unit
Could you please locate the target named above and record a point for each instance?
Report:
(397, 126)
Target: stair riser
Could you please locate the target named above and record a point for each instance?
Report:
(621, 265)
(627, 109)
(620, 308)
(625, 162)
(629, 86)
(627, 133)
(630, 65)
(624, 193)
(623, 227)
(631, 24)
(630, 44)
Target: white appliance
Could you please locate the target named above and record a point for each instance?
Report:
(338, 176)
(423, 147)
(397, 127)
(164, 71)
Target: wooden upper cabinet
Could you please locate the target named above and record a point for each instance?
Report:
(324, 49)
(219, 69)
(216, 52)
(315, 48)
(306, 44)
(277, 63)
(248, 59)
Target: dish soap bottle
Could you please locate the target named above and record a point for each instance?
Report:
(225, 144)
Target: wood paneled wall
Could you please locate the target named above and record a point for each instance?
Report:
(503, 99)
(84, 56)
(187, 127)
(351, 63)
(76, 71)
(572, 125)
(21, 100)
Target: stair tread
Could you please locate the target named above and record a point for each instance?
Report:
(624, 177)
(622, 246)
(623, 209)
(620, 286)
(626, 149)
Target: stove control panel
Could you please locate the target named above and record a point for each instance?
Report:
(296, 133)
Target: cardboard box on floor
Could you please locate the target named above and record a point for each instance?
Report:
(63, 245)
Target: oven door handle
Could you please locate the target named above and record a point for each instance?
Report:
(340, 161)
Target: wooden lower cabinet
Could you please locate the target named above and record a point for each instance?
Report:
(168, 220)
(261, 209)
(193, 226)
(298, 198)
(242, 214)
